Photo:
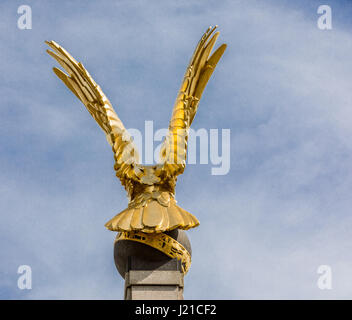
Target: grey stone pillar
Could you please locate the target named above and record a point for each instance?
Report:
(150, 274)
(153, 280)
(154, 285)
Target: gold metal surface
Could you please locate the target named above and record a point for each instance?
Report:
(152, 206)
(161, 242)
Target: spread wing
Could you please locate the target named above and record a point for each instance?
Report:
(201, 66)
(79, 81)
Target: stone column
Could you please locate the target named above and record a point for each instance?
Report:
(150, 274)
(164, 282)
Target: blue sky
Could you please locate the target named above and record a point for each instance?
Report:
(284, 89)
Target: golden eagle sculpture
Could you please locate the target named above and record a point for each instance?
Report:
(152, 206)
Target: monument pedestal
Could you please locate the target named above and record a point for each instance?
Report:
(153, 285)
(149, 274)
(153, 280)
